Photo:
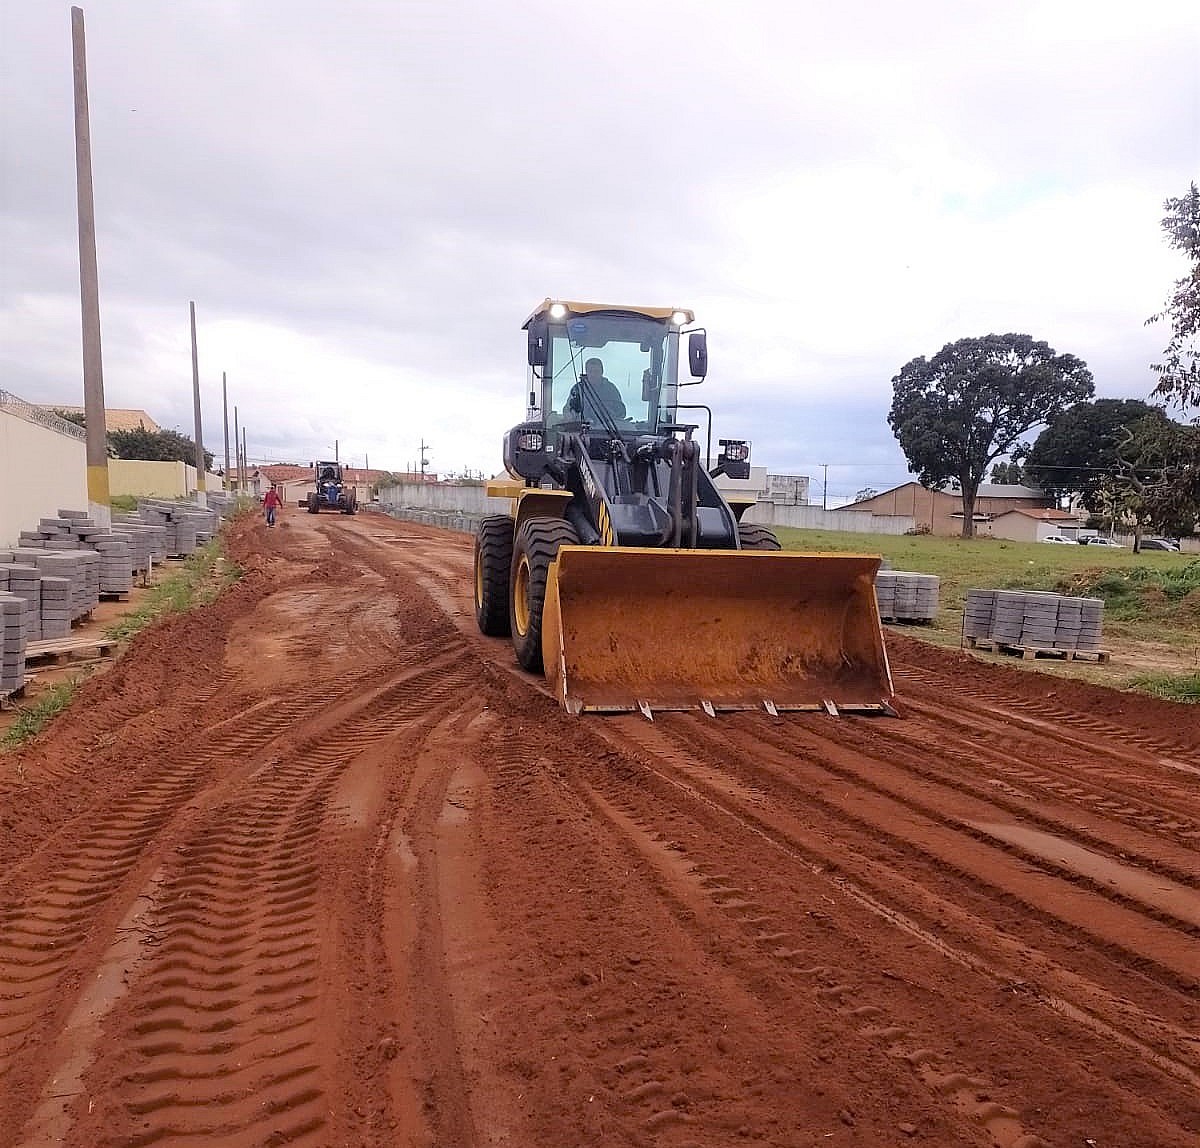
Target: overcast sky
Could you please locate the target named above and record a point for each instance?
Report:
(366, 199)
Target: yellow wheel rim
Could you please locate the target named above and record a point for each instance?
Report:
(521, 596)
(478, 582)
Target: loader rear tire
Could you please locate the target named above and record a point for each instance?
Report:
(534, 549)
(493, 566)
(757, 537)
(314, 504)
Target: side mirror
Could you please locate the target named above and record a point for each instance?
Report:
(698, 354)
(539, 343)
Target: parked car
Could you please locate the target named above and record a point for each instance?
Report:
(1057, 540)
(1098, 541)
(1159, 544)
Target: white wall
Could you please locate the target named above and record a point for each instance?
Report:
(473, 500)
(814, 518)
(41, 471)
(441, 496)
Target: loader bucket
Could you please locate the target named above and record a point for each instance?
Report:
(627, 628)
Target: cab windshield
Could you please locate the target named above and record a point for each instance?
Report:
(611, 368)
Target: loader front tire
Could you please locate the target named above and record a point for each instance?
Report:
(757, 537)
(493, 566)
(534, 549)
(314, 504)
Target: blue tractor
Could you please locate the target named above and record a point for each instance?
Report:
(332, 492)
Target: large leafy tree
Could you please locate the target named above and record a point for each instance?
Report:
(1159, 477)
(1077, 451)
(1008, 473)
(156, 446)
(1179, 371)
(958, 412)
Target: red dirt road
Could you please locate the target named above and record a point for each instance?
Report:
(318, 866)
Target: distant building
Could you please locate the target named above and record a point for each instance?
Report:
(940, 511)
(115, 418)
(1034, 525)
(787, 489)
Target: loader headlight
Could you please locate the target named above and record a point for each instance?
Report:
(736, 451)
(679, 318)
(529, 440)
(558, 310)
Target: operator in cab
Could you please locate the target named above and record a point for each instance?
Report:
(592, 389)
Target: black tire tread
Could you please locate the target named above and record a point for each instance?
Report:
(494, 547)
(541, 538)
(753, 537)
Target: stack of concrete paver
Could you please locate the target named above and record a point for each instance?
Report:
(12, 643)
(904, 596)
(57, 611)
(184, 525)
(25, 583)
(1034, 619)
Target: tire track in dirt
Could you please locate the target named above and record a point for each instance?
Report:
(771, 931)
(946, 894)
(224, 1027)
(434, 909)
(1168, 802)
(1055, 722)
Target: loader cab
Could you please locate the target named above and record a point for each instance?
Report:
(613, 372)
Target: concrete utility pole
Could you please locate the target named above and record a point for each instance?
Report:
(237, 450)
(825, 487)
(245, 461)
(225, 421)
(336, 457)
(99, 502)
(424, 460)
(201, 496)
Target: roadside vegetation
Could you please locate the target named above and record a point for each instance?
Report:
(33, 718)
(202, 578)
(1152, 597)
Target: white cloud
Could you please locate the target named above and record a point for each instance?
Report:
(365, 200)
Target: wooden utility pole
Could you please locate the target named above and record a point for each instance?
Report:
(237, 450)
(99, 502)
(201, 497)
(225, 421)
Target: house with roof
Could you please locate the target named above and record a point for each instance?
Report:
(115, 418)
(1027, 525)
(940, 510)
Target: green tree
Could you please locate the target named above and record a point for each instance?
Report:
(1159, 480)
(1179, 372)
(75, 417)
(1008, 474)
(958, 412)
(156, 446)
(1078, 448)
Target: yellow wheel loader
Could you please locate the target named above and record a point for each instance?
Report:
(623, 573)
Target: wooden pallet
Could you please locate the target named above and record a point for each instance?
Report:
(1028, 653)
(57, 651)
(114, 596)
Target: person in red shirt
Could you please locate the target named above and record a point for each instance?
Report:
(271, 503)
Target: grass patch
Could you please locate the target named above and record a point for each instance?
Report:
(1153, 596)
(1172, 687)
(123, 501)
(204, 576)
(32, 719)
